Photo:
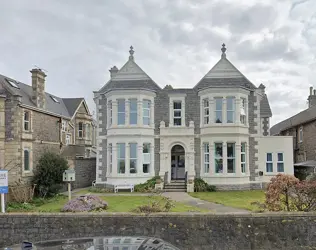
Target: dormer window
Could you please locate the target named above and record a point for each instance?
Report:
(13, 83)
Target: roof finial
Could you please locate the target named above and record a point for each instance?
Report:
(131, 52)
(223, 49)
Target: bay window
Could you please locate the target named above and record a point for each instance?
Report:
(269, 163)
(280, 163)
(218, 158)
(110, 110)
(243, 157)
(121, 111)
(230, 157)
(133, 111)
(177, 113)
(230, 109)
(133, 158)
(206, 147)
(218, 110)
(146, 157)
(121, 158)
(146, 112)
(110, 157)
(206, 108)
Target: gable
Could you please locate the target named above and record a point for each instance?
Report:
(83, 109)
(131, 71)
(224, 69)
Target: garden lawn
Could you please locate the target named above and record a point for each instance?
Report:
(237, 199)
(116, 204)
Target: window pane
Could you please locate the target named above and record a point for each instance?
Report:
(26, 160)
(230, 149)
(206, 120)
(146, 120)
(145, 168)
(146, 147)
(26, 125)
(133, 166)
(177, 121)
(176, 105)
(218, 116)
(269, 167)
(121, 119)
(218, 149)
(281, 167)
(230, 165)
(121, 164)
(280, 156)
(243, 147)
(121, 149)
(177, 113)
(146, 104)
(230, 103)
(243, 158)
(206, 111)
(146, 112)
(133, 150)
(206, 148)
(80, 125)
(269, 156)
(26, 116)
(218, 103)
(133, 105)
(218, 165)
(121, 105)
(206, 103)
(133, 118)
(230, 116)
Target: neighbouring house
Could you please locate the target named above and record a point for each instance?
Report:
(302, 127)
(32, 121)
(218, 130)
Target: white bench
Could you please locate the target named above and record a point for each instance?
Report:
(123, 186)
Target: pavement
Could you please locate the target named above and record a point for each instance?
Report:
(176, 196)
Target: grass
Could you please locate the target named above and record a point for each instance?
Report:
(116, 204)
(237, 199)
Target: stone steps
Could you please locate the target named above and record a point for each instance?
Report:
(175, 186)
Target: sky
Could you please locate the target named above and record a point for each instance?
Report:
(175, 41)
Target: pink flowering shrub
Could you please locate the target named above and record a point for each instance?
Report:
(85, 204)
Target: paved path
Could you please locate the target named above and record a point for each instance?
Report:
(189, 200)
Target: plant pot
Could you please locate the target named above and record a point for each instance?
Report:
(158, 181)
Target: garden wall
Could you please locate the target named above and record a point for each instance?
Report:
(187, 231)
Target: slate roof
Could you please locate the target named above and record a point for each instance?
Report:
(265, 110)
(224, 82)
(305, 116)
(130, 84)
(65, 106)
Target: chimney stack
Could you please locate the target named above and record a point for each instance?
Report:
(113, 71)
(38, 87)
(312, 97)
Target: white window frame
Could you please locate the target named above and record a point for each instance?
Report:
(230, 110)
(149, 151)
(110, 157)
(176, 98)
(29, 160)
(206, 111)
(269, 162)
(80, 130)
(280, 162)
(68, 139)
(118, 157)
(177, 110)
(63, 125)
(301, 134)
(131, 112)
(121, 112)
(218, 110)
(146, 101)
(87, 134)
(231, 157)
(243, 163)
(28, 121)
(243, 112)
(133, 158)
(110, 110)
(218, 158)
(206, 151)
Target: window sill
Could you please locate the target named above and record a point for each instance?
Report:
(27, 173)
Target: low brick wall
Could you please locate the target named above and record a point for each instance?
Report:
(187, 231)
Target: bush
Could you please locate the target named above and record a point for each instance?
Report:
(148, 186)
(48, 174)
(201, 186)
(100, 190)
(85, 204)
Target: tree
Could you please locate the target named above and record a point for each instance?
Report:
(48, 174)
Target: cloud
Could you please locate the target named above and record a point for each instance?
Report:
(176, 42)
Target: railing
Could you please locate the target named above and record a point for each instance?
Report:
(165, 179)
(186, 177)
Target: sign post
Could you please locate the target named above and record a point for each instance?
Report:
(69, 176)
(3, 187)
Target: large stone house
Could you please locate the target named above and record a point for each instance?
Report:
(302, 127)
(218, 130)
(32, 121)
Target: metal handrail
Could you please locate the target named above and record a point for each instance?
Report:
(165, 179)
(186, 177)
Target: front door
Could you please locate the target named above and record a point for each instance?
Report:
(177, 163)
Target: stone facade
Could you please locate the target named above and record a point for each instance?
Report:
(219, 125)
(33, 121)
(185, 231)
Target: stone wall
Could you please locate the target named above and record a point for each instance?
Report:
(186, 231)
(85, 172)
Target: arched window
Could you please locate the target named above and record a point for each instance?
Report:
(26, 160)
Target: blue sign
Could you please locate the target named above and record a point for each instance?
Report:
(4, 182)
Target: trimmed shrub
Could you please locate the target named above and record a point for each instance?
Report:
(85, 204)
(48, 174)
(148, 186)
(201, 186)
